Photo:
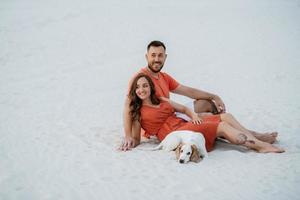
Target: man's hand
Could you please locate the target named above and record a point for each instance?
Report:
(219, 104)
(128, 144)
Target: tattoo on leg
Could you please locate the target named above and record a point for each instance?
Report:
(242, 139)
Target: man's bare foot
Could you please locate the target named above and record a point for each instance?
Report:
(271, 149)
(266, 137)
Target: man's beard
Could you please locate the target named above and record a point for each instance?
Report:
(154, 70)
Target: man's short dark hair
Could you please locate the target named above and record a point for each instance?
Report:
(156, 43)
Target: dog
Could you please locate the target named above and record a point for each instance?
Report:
(188, 146)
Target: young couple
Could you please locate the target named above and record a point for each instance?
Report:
(148, 106)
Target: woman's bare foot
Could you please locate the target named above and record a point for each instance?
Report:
(266, 137)
(268, 148)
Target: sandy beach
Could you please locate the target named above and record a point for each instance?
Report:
(65, 67)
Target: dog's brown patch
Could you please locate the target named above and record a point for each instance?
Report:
(195, 157)
(177, 151)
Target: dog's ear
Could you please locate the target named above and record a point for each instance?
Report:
(195, 157)
(177, 151)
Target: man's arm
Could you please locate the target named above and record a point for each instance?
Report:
(199, 94)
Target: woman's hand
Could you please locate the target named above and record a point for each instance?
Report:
(196, 119)
(128, 144)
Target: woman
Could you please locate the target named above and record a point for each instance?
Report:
(157, 117)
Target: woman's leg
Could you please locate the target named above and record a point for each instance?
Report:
(265, 137)
(239, 137)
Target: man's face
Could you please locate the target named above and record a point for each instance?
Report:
(156, 57)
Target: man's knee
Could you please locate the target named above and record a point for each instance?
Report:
(203, 106)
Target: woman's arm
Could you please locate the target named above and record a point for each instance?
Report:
(136, 132)
(130, 129)
(185, 110)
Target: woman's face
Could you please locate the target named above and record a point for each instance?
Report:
(143, 90)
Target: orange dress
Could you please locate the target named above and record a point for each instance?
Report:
(161, 121)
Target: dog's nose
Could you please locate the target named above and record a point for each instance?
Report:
(181, 161)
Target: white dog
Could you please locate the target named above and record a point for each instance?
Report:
(189, 145)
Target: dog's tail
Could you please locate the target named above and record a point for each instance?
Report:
(158, 147)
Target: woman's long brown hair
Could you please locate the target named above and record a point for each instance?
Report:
(135, 101)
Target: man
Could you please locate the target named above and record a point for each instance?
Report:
(204, 102)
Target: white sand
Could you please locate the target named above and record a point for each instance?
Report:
(64, 71)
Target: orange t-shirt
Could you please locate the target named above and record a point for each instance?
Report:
(164, 83)
(161, 121)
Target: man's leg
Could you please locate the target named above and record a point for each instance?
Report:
(205, 107)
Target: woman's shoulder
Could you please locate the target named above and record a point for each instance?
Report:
(165, 103)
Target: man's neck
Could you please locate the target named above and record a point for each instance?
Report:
(154, 74)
